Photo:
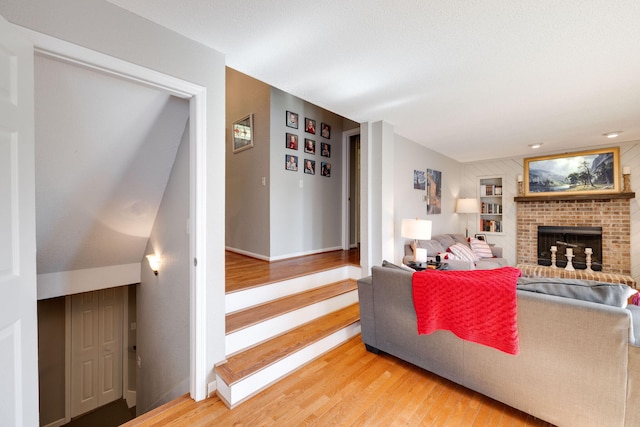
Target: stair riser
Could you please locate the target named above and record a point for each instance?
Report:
(250, 336)
(236, 393)
(247, 298)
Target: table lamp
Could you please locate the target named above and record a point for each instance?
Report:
(416, 229)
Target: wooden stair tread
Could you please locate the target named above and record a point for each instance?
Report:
(256, 314)
(256, 358)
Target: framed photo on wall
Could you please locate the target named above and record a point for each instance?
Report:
(325, 149)
(325, 130)
(242, 134)
(291, 162)
(309, 146)
(292, 119)
(583, 172)
(310, 126)
(291, 141)
(310, 166)
(325, 169)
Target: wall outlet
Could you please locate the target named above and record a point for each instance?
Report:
(139, 362)
(264, 181)
(134, 326)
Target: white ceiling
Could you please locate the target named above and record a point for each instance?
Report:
(470, 79)
(104, 151)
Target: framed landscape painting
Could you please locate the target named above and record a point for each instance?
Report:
(584, 172)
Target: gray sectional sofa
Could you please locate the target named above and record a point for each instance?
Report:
(578, 365)
(439, 244)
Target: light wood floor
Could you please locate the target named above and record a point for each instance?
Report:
(348, 387)
(245, 272)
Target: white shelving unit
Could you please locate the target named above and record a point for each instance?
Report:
(490, 195)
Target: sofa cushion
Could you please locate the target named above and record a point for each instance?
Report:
(635, 324)
(463, 252)
(587, 290)
(459, 238)
(445, 240)
(480, 248)
(433, 247)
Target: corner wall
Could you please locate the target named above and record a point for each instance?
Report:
(409, 203)
(162, 301)
(247, 200)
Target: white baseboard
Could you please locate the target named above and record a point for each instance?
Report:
(211, 388)
(281, 257)
(57, 423)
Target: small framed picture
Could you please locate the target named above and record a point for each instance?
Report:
(482, 237)
(292, 119)
(325, 169)
(325, 130)
(310, 166)
(291, 162)
(291, 141)
(325, 149)
(309, 146)
(242, 134)
(310, 126)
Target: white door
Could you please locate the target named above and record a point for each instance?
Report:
(18, 307)
(96, 349)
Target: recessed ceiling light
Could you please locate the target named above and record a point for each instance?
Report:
(612, 134)
(537, 145)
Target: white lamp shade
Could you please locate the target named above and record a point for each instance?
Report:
(417, 229)
(467, 206)
(154, 262)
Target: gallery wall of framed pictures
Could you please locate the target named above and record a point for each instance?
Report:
(316, 145)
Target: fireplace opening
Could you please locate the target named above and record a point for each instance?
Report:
(576, 238)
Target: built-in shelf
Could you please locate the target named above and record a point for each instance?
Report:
(606, 196)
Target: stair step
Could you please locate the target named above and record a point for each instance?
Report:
(252, 360)
(253, 315)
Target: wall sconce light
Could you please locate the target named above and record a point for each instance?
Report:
(154, 263)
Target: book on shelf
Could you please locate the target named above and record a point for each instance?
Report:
(491, 208)
(492, 226)
(487, 190)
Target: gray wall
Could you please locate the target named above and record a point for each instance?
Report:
(163, 300)
(247, 200)
(305, 209)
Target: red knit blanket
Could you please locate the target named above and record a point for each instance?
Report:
(476, 305)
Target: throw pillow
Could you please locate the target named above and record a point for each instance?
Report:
(463, 252)
(444, 239)
(480, 248)
(433, 247)
(613, 294)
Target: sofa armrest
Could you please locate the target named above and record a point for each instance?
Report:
(367, 317)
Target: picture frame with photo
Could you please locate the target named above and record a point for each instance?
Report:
(325, 149)
(325, 130)
(482, 237)
(309, 146)
(291, 162)
(325, 169)
(292, 119)
(291, 141)
(310, 125)
(242, 134)
(310, 166)
(582, 172)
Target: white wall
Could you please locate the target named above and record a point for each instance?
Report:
(103, 27)
(162, 308)
(409, 203)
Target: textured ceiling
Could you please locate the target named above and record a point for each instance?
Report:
(470, 79)
(104, 151)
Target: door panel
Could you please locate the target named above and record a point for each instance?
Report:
(96, 349)
(18, 306)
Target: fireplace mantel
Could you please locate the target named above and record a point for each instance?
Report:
(606, 196)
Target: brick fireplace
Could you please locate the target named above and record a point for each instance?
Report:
(612, 213)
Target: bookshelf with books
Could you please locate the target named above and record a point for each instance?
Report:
(490, 191)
